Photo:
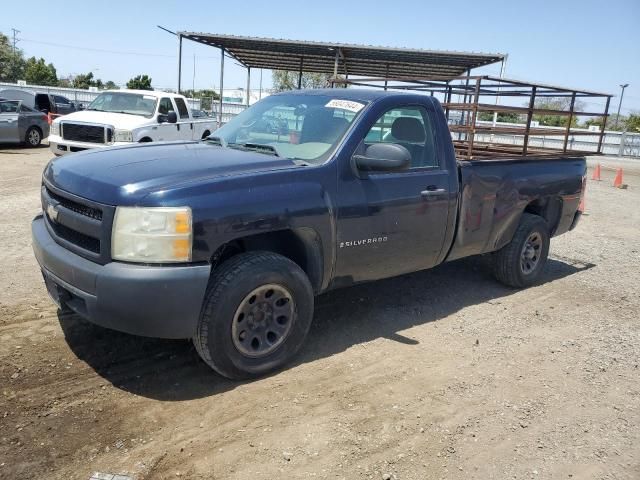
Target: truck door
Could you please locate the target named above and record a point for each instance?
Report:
(168, 131)
(391, 223)
(9, 111)
(185, 129)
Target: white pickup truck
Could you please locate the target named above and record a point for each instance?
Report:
(121, 117)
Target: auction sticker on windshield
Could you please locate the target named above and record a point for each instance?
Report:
(345, 105)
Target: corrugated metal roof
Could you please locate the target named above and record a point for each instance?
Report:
(359, 60)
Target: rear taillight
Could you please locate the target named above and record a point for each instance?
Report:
(582, 194)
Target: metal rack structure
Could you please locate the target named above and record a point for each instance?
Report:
(475, 94)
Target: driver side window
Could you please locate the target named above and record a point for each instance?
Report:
(409, 127)
(165, 106)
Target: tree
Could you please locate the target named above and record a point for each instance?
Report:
(502, 117)
(11, 63)
(66, 82)
(201, 94)
(110, 85)
(141, 82)
(632, 123)
(284, 80)
(38, 73)
(84, 81)
(557, 103)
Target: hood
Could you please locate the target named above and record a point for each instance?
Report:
(118, 120)
(125, 175)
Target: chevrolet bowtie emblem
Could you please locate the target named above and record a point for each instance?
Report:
(52, 212)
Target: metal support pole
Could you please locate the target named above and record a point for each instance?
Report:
(179, 62)
(532, 102)
(221, 86)
(462, 113)
(472, 127)
(300, 74)
(260, 91)
(568, 129)
(604, 124)
(386, 77)
(248, 84)
(335, 68)
(447, 101)
(502, 69)
(620, 103)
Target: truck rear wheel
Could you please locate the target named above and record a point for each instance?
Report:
(520, 263)
(256, 314)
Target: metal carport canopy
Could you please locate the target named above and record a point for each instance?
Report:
(358, 60)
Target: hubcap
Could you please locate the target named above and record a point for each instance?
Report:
(263, 320)
(531, 251)
(34, 137)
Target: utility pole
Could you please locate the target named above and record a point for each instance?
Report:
(15, 40)
(623, 86)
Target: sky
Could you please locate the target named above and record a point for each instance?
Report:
(587, 44)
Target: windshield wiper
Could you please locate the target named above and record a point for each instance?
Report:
(255, 147)
(122, 111)
(214, 140)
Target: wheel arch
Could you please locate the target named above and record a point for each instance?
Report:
(549, 208)
(301, 245)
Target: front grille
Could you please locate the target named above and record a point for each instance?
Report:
(85, 210)
(80, 225)
(84, 133)
(80, 239)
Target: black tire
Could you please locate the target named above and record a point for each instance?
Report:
(33, 137)
(511, 263)
(229, 288)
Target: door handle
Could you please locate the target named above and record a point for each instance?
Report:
(433, 191)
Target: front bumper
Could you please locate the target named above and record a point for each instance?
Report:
(60, 146)
(152, 301)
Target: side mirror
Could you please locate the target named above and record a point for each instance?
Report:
(383, 157)
(172, 117)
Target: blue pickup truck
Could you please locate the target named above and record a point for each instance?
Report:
(228, 240)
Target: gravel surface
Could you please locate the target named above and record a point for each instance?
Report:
(438, 374)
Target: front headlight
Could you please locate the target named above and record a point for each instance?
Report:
(152, 234)
(55, 128)
(123, 136)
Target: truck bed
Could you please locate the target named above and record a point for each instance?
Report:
(495, 191)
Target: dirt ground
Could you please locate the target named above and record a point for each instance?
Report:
(439, 374)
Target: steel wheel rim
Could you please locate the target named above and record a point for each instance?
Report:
(263, 320)
(34, 137)
(531, 252)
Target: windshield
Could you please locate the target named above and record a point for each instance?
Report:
(129, 103)
(298, 127)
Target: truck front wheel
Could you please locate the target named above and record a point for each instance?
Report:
(256, 314)
(520, 262)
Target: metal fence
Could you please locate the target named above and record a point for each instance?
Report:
(614, 143)
(623, 144)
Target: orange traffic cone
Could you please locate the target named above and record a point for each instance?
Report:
(617, 182)
(596, 173)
